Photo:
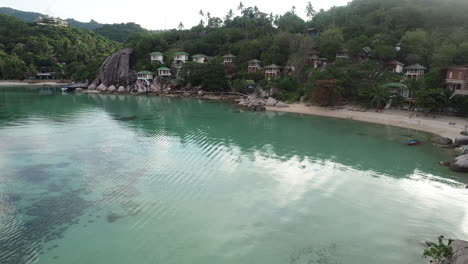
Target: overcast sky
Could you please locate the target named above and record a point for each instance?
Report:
(156, 14)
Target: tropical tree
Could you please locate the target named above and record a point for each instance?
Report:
(181, 26)
(310, 11)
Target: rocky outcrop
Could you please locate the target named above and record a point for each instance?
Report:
(101, 87)
(460, 164)
(121, 89)
(271, 102)
(461, 140)
(460, 252)
(442, 140)
(117, 69)
(253, 104)
(281, 105)
(111, 88)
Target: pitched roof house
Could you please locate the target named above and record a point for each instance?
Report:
(395, 66)
(200, 58)
(415, 71)
(145, 75)
(157, 56)
(254, 65)
(456, 78)
(164, 71)
(272, 71)
(228, 59)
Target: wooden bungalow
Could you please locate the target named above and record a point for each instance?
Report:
(272, 71)
(228, 60)
(254, 66)
(415, 71)
(145, 75)
(395, 66)
(157, 57)
(456, 78)
(200, 58)
(164, 72)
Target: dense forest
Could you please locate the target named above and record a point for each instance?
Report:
(72, 52)
(429, 32)
(432, 33)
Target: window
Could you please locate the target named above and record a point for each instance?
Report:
(460, 75)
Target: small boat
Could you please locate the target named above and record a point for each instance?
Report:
(413, 142)
(64, 89)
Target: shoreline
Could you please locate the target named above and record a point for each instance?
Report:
(438, 125)
(33, 83)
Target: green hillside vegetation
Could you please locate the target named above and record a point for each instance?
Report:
(31, 16)
(429, 32)
(71, 52)
(120, 32)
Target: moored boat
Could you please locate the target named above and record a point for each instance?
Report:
(413, 142)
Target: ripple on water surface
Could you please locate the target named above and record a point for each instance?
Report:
(122, 179)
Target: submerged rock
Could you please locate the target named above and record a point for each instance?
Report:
(461, 140)
(442, 140)
(460, 164)
(78, 90)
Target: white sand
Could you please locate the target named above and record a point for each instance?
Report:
(33, 83)
(438, 125)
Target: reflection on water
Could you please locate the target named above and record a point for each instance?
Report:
(137, 179)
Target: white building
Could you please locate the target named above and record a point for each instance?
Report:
(145, 75)
(415, 71)
(181, 56)
(164, 71)
(200, 58)
(396, 66)
(228, 59)
(157, 56)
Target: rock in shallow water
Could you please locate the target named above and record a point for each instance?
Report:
(271, 102)
(460, 249)
(442, 140)
(461, 140)
(460, 164)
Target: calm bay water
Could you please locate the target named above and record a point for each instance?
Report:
(134, 179)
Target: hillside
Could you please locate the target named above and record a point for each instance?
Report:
(31, 16)
(120, 32)
(26, 49)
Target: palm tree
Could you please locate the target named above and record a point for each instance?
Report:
(293, 10)
(208, 16)
(181, 25)
(380, 95)
(240, 7)
(310, 11)
(201, 13)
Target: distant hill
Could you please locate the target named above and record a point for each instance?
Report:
(31, 16)
(120, 32)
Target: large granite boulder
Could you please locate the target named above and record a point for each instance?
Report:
(271, 102)
(92, 87)
(101, 87)
(460, 252)
(461, 140)
(121, 89)
(281, 105)
(117, 69)
(111, 88)
(442, 140)
(460, 164)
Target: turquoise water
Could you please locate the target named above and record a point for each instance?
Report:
(135, 179)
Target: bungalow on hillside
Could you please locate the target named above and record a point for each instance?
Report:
(260, 14)
(164, 72)
(365, 53)
(314, 55)
(228, 60)
(46, 73)
(254, 66)
(157, 56)
(200, 58)
(181, 57)
(272, 71)
(415, 71)
(145, 75)
(395, 66)
(456, 79)
(343, 54)
(320, 62)
(312, 32)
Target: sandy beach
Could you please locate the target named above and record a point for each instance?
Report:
(32, 83)
(437, 124)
